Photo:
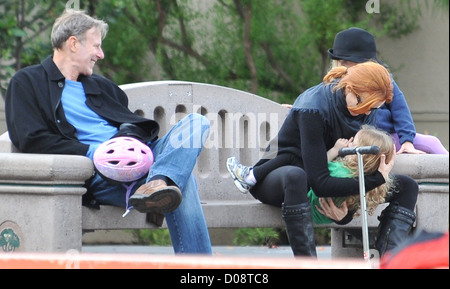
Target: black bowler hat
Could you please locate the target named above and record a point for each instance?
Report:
(354, 44)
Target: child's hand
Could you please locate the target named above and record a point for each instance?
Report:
(340, 143)
(343, 143)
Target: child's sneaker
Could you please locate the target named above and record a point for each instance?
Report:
(238, 173)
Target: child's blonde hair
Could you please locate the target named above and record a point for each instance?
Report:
(371, 136)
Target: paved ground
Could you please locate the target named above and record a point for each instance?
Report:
(278, 252)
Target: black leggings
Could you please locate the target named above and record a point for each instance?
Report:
(262, 169)
(288, 185)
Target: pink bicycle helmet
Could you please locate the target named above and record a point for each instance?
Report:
(123, 159)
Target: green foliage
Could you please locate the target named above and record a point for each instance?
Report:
(126, 45)
(24, 34)
(282, 53)
(401, 19)
(256, 237)
(323, 236)
(275, 237)
(157, 237)
(442, 4)
(242, 237)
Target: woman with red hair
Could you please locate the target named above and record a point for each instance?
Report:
(296, 160)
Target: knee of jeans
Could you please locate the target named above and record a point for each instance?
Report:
(196, 117)
(203, 121)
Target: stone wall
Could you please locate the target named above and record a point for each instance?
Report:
(420, 65)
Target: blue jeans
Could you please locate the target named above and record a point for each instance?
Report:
(175, 156)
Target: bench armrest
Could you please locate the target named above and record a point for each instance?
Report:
(423, 168)
(21, 168)
(42, 169)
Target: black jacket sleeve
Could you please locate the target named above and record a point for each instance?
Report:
(314, 155)
(347, 219)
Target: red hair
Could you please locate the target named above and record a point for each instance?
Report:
(370, 80)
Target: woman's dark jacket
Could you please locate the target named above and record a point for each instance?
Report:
(317, 119)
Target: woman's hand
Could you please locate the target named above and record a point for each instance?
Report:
(385, 168)
(331, 211)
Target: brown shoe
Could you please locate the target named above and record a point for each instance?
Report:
(156, 197)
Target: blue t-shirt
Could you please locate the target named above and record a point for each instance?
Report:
(91, 128)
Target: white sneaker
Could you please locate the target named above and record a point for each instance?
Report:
(238, 173)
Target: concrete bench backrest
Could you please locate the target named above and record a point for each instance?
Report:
(242, 124)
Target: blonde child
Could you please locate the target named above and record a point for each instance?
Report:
(348, 167)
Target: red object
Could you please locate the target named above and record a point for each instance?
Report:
(424, 251)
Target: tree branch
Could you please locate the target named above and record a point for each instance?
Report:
(248, 48)
(274, 64)
(186, 49)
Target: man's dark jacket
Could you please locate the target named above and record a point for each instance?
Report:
(35, 116)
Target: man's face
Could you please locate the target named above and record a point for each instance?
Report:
(89, 52)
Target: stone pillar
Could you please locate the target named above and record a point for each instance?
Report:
(40, 201)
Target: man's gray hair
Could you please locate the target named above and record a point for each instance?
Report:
(75, 23)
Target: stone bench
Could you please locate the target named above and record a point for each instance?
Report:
(41, 194)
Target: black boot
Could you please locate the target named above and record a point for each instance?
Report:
(395, 225)
(300, 230)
